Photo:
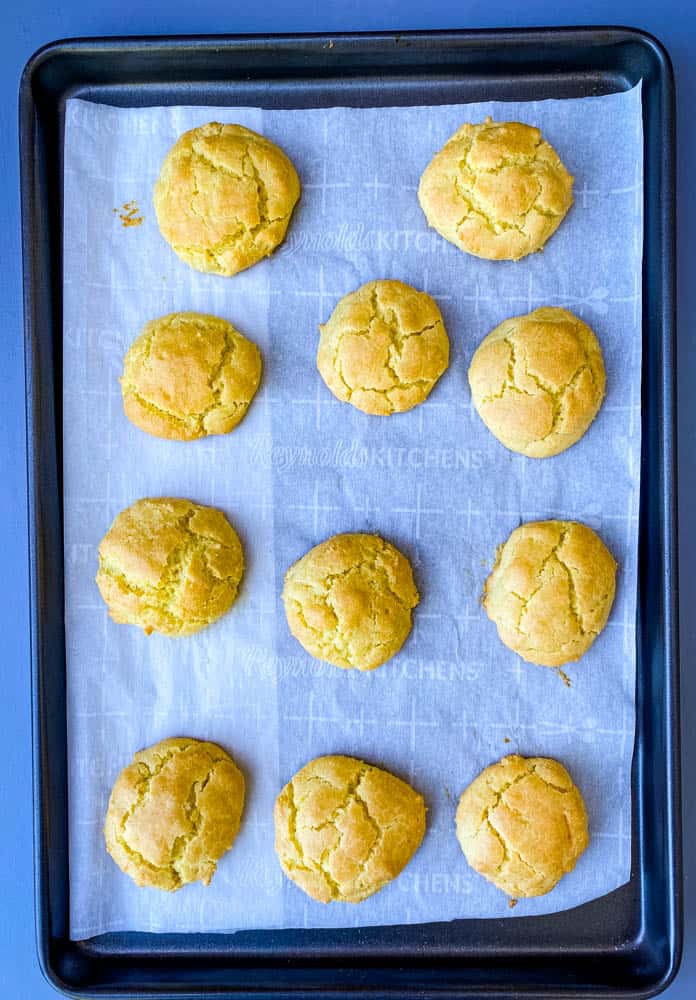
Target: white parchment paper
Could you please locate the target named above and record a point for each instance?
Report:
(303, 466)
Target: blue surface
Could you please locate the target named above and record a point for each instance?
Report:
(27, 25)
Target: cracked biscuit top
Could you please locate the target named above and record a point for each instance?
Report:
(551, 591)
(173, 813)
(169, 566)
(384, 348)
(344, 829)
(496, 190)
(522, 824)
(224, 197)
(538, 381)
(189, 375)
(348, 601)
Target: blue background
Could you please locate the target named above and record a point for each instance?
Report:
(24, 27)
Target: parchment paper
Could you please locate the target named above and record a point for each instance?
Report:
(303, 466)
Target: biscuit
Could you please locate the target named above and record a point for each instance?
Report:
(522, 824)
(496, 190)
(348, 601)
(551, 591)
(344, 829)
(384, 348)
(224, 197)
(189, 375)
(173, 813)
(537, 381)
(169, 566)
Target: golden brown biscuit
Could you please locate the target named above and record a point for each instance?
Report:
(348, 601)
(522, 824)
(344, 829)
(496, 190)
(170, 566)
(384, 348)
(538, 381)
(551, 591)
(173, 813)
(189, 375)
(224, 197)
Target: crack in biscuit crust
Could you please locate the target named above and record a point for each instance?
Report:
(522, 824)
(173, 812)
(344, 829)
(224, 197)
(384, 348)
(538, 381)
(189, 375)
(551, 591)
(496, 190)
(170, 566)
(348, 601)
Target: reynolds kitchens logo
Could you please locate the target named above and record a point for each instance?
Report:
(357, 238)
(263, 451)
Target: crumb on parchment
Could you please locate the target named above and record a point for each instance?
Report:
(129, 214)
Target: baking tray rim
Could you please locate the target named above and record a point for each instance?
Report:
(666, 417)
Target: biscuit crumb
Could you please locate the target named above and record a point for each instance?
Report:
(506, 739)
(512, 903)
(129, 214)
(564, 677)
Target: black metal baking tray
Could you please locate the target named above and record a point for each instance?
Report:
(625, 944)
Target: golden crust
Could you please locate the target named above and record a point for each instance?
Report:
(344, 829)
(189, 375)
(348, 601)
(551, 591)
(173, 812)
(496, 190)
(522, 824)
(170, 566)
(224, 197)
(384, 348)
(538, 381)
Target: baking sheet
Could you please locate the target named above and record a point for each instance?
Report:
(302, 466)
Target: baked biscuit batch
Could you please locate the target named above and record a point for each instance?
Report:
(344, 828)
